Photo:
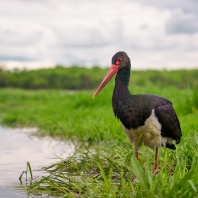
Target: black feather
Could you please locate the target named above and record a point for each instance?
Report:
(133, 110)
(169, 121)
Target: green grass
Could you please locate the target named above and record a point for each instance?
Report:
(107, 173)
(104, 163)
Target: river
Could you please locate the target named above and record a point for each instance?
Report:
(19, 146)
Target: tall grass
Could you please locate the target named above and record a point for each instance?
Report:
(107, 172)
(77, 115)
(104, 163)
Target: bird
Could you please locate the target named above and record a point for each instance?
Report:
(146, 118)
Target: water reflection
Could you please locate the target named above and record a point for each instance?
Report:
(17, 147)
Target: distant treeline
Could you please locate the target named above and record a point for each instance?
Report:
(77, 78)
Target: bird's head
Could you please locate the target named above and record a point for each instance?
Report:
(119, 61)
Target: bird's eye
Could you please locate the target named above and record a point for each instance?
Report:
(118, 61)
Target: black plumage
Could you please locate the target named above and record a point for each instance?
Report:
(133, 110)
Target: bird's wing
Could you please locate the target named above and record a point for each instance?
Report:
(168, 119)
(134, 111)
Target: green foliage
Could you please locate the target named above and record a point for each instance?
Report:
(107, 172)
(78, 78)
(75, 114)
(104, 163)
(72, 78)
(181, 79)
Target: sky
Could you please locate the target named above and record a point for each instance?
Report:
(155, 34)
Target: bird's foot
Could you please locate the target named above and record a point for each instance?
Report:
(156, 171)
(133, 178)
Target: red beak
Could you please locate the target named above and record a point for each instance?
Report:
(113, 69)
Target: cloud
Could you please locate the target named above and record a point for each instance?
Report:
(14, 37)
(89, 37)
(183, 18)
(186, 6)
(182, 23)
(152, 32)
(14, 58)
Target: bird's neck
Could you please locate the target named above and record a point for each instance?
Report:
(123, 75)
(120, 96)
(121, 92)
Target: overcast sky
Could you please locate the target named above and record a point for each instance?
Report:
(155, 34)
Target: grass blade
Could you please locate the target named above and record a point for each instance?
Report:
(140, 174)
(181, 184)
(192, 185)
(30, 170)
(103, 175)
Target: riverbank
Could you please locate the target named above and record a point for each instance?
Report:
(90, 123)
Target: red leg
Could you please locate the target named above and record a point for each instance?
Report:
(155, 170)
(136, 154)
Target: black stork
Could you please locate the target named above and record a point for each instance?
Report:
(147, 119)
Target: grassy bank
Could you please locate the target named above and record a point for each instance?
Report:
(81, 78)
(106, 172)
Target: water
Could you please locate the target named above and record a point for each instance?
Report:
(17, 147)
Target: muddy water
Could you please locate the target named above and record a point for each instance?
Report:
(19, 146)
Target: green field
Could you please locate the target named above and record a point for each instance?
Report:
(104, 163)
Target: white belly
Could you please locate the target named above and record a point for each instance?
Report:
(149, 134)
